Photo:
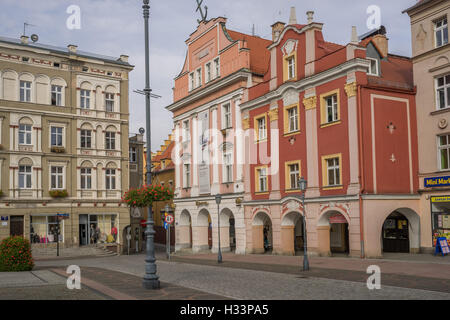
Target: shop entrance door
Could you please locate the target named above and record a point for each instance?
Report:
(83, 229)
(16, 228)
(396, 234)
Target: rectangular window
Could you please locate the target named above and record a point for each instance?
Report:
(332, 171)
(291, 67)
(110, 179)
(25, 91)
(441, 32)
(293, 174)
(110, 142)
(186, 131)
(443, 92)
(227, 167)
(85, 99)
(86, 139)
(226, 116)
(216, 68)
(261, 129)
(199, 77)
(373, 67)
(56, 136)
(109, 100)
(57, 178)
(56, 95)
(191, 82)
(86, 178)
(208, 72)
(292, 124)
(261, 180)
(444, 152)
(43, 229)
(187, 175)
(25, 177)
(332, 113)
(25, 134)
(133, 154)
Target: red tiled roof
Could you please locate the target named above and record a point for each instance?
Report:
(396, 72)
(259, 55)
(166, 155)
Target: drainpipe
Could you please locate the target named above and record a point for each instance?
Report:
(361, 172)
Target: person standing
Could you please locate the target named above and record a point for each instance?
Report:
(114, 232)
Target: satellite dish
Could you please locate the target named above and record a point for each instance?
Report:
(34, 37)
(141, 130)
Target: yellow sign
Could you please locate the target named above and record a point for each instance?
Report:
(440, 199)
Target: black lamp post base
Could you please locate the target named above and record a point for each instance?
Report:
(152, 284)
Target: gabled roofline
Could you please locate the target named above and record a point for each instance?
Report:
(294, 28)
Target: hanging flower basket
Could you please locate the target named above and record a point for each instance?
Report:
(145, 196)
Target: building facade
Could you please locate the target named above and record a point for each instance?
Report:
(431, 61)
(343, 117)
(64, 137)
(220, 65)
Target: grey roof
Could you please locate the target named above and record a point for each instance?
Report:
(64, 51)
(418, 4)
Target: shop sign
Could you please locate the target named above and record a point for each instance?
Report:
(440, 199)
(337, 218)
(437, 182)
(4, 218)
(143, 223)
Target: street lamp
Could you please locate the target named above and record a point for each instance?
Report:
(166, 210)
(218, 200)
(151, 280)
(302, 183)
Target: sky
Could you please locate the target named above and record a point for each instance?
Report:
(115, 27)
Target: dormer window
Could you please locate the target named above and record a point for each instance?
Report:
(373, 71)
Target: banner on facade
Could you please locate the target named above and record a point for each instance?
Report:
(203, 168)
(440, 199)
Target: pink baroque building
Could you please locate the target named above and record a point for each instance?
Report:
(220, 66)
(344, 118)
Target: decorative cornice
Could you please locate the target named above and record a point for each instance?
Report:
(310, 103)
(351, 89)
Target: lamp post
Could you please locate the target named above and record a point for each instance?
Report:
(303, 184)
(218, 200)
(151, 280)
(166, 210)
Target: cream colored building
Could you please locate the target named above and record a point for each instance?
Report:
(431, 60)
(63, 126)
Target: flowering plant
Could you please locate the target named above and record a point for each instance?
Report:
(15, 254)
(58, 193)
(146, 195)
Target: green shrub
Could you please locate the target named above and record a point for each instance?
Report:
(15, 255)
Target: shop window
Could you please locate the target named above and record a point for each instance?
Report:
(440, 215)
(43, 229)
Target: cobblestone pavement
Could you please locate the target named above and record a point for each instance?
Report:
(248, 284)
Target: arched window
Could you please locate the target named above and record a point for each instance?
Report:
(25, 173)
(25, 131)
(110, 99)
(86, 175)
(86, 136)
(25, 87)
(110, 138)
(85, 95)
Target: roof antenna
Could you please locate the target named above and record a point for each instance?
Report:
(253, 30)
(26, 24)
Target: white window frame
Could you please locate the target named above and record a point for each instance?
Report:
(441, 30)
(56, 93)
(86, 177)
(262, 128)
(441, 148)
(85, 99)
(86, 137)
(226, 116)
(291, 67)
(133, 154)
(25, 91)
(216, 62)
(293, 119)
(336, 171)
(110, 142)
(446, 88)
(227, 167)
(296, 174)
(109, 102)
(110, 179)
(198, 77)
(262, 180)
(377, 73)
(57, 134)
(208, 74)
(334, 108)
(57, 175)
(27, 133)
(27, 177)
(191, 81)
(186, 175)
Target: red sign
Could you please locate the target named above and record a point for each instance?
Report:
(169, 219)
(337, 218)
(143, 223)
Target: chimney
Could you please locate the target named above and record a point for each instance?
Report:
(293, 16)
(381, 42)
(124, 58)
(354, 38)
(310, 15)
(72, 48)
(277, 28)
(24, 39)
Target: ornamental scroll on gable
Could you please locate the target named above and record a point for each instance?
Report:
(289, 47)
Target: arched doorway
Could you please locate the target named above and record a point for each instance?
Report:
(203, 231)
(183, 231)
(400, 232)
(227, 232)
(333, 234)
(292, 233)
(262, 233)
